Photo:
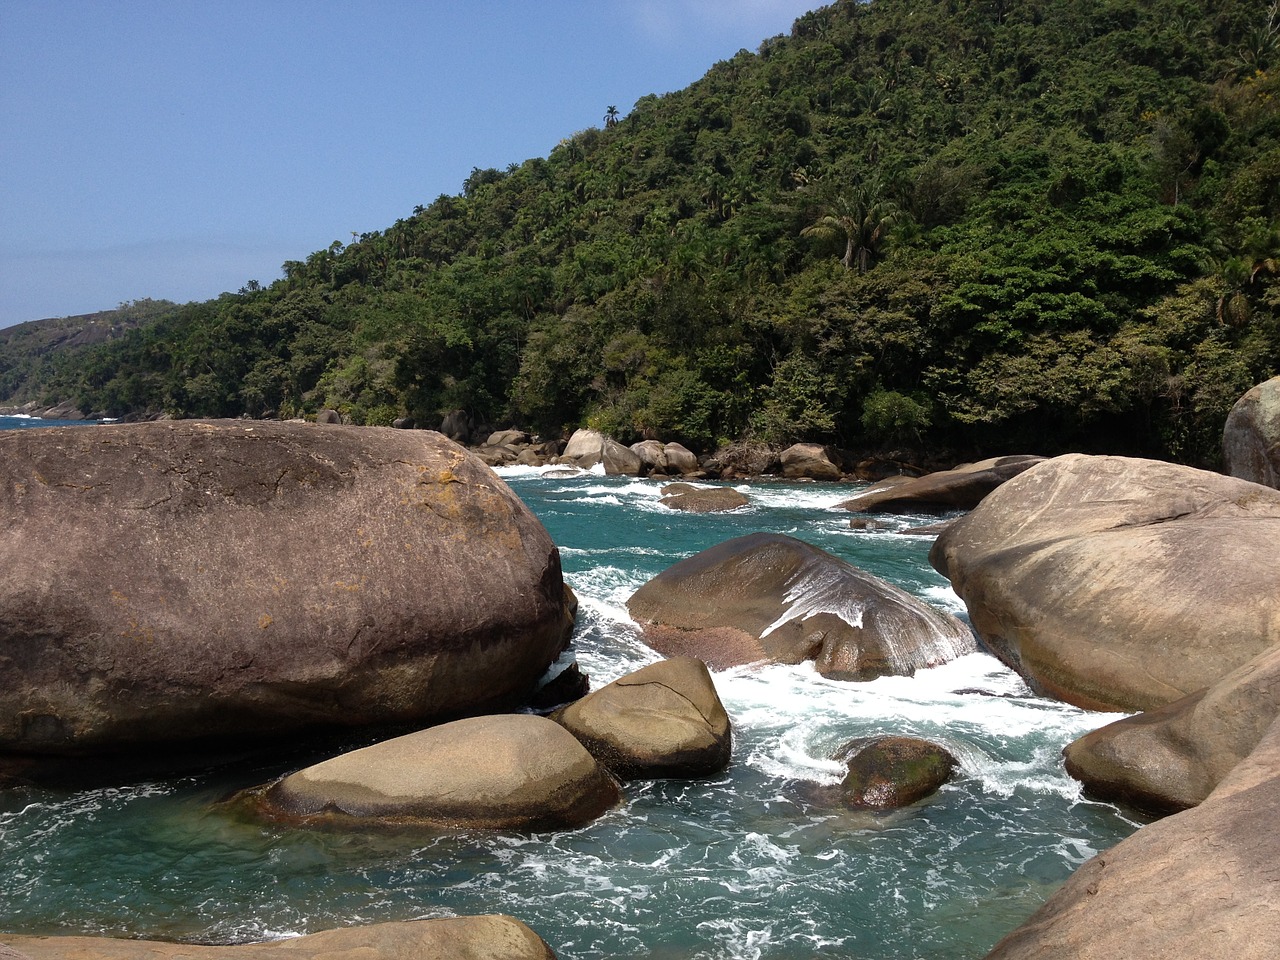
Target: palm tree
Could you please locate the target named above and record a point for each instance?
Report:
(611, 117)
(862, 217)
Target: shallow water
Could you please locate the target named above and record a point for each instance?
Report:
(744, 865)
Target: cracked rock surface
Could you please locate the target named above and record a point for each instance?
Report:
(1116, 583)
(172, 581)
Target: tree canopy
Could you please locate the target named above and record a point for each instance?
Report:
(972, 225)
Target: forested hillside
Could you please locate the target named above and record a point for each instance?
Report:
(963, 225)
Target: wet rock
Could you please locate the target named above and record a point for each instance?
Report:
(1173, 757)
(664, 720)
(892, 771)
(188, 580)
(1251, 437)
(1119, 584)
(961, 488)
(508, 772)
(691, 499)
(772, 598)
(568, 685)
(492, 937)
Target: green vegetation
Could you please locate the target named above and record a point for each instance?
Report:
(967, 225)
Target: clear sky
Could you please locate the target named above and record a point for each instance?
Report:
(178, 148)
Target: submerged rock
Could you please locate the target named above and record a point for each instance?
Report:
(186, 580)
(1173, 757)
(493, 937)
(1120, 584)
(1251, 437)
(960, 488)
(769, 597)
(691, 499)
(510, 772)
(892, 771)
(664, 720)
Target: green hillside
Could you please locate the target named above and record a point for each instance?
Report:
(962, 226)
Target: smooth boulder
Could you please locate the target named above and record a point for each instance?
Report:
(1201, 883)
(811, 461)
(1119, 584)
(889, 771)
(663, 720)
(493, 937)
(506, 772)
(178, 581)
(961, 488)
(773, 598)
(620, 461)
(585, 448)
(1251, 436)
(1173, 757)
(691, 499)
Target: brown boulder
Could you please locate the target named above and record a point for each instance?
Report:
(664, 720)
(892, 771)
(620, 461)
(1200, 884)
(680, 459)
(769, 597)
(493, 937)
(186, 580)
(1251, 437)
(691, 499)
(507, 772)
(585, 448)
(961, 488)
(811, 461)
(1119, 584)
(1172, 758)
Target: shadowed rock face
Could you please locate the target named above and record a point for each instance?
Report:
(769, 597)
(456, 938)
(181, 580)
(664, 720)
(513, 771)
(1119, 584)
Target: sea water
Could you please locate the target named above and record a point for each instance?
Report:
(746, 864)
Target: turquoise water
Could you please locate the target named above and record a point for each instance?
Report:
(744, 865)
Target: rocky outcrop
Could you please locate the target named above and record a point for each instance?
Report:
(493, 937)
(1120, 584)
(1201, 883)
(1251, 437)
(691, 499)
(1173, 757)
(509, 772)
(769, 597)
(811, 461)
(664, 720)
(961, 488)
(188, 580)
(892, 771)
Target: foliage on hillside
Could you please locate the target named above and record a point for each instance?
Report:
(976, 225)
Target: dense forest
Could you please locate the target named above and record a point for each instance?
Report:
(973, 226)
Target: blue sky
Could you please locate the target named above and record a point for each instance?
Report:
(178, 149)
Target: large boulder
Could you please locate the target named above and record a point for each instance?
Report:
(888, 771)
(811, 461)
(493, 937)
(680, 459)
(506, 772)
(653, 454)
(770, 597)
(1174, 756)
(663, 720)
(585, 447)
(1201, 883)
(1119, 584)
(620, 461)
(187, 580)
(960, 488)
(1251, 437)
